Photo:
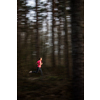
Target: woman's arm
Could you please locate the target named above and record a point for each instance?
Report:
(40, 63)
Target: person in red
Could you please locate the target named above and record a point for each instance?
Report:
(39, 63)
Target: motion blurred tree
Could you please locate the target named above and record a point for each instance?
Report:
(77, 19)
(53, 46)
(37, 32)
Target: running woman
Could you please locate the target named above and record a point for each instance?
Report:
(39, 63)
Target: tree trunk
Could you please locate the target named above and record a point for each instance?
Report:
(77, 11)
(37, 33)
(46, 40)
(59, 43)
(66, 49)
(53, 47)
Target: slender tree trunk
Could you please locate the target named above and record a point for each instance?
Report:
(46, 39)
(26, 37)
(53, 47)
(59, 43)
(77, 19)
(18, 29)
(37, 33)
(18, 34)
(66, 40)
(32, 47)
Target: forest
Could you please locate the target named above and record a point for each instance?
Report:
(53, 30)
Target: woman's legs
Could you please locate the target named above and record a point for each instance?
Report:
(34, 71)
(41, 71)
(37, 71)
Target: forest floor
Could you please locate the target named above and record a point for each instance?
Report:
(51, 86)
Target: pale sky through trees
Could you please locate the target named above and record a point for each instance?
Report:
(32, 13)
